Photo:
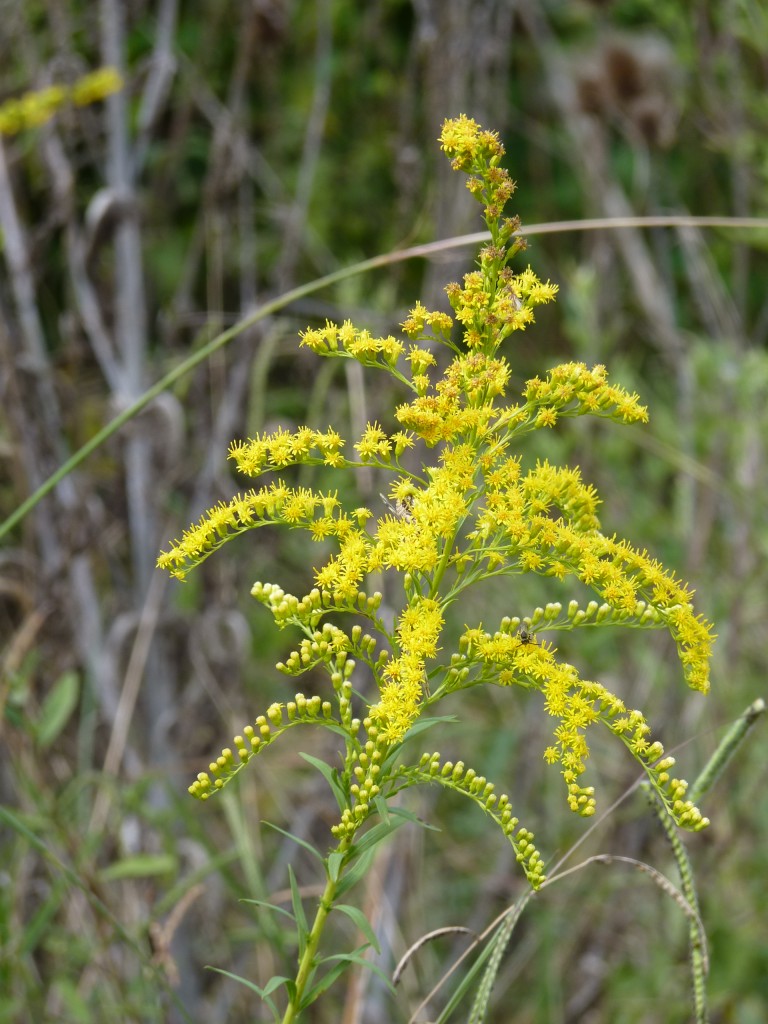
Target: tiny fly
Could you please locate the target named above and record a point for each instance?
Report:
(400, 509)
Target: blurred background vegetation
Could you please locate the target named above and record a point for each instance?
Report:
(257, 145)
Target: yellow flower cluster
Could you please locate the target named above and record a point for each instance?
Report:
(37, 107)
(347, 340)
(420, 318)
(468, 144)
(283, 448)
(573, 389)
(343, 574)
(376, 447)
(476, 377)
(545, 522)
(441, 417)
(478, 152)
(509, 658)
(478, 309)
(418, 631)
(277, 503)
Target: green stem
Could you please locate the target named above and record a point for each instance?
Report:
(307, 961)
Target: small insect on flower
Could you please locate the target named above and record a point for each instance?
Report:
(400, 509)
(526, 636)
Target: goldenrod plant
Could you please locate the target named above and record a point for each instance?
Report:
(461, 508)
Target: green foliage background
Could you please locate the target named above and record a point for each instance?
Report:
(267, 144)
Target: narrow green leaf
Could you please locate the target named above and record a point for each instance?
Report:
(363, 851)
(302, 842)
(382, 807)
(414, 819)
(426, 723)
(357, 957)
(270, 906)
(379, 832)
(275, 982)
(323, 984)
(362, 922)
(356, 872)
(143, 865)
(57, 709)
(260, 992)
(335, 863)
(330, 775)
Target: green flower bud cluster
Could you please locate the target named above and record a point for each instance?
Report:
(366, 786)
(256, 737)
(456, 776)
(581, 799)
(289, 610)
(325, 646)
(672, 791)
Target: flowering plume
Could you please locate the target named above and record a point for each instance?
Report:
(472, 511)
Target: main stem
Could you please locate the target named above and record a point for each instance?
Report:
(307, 961)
